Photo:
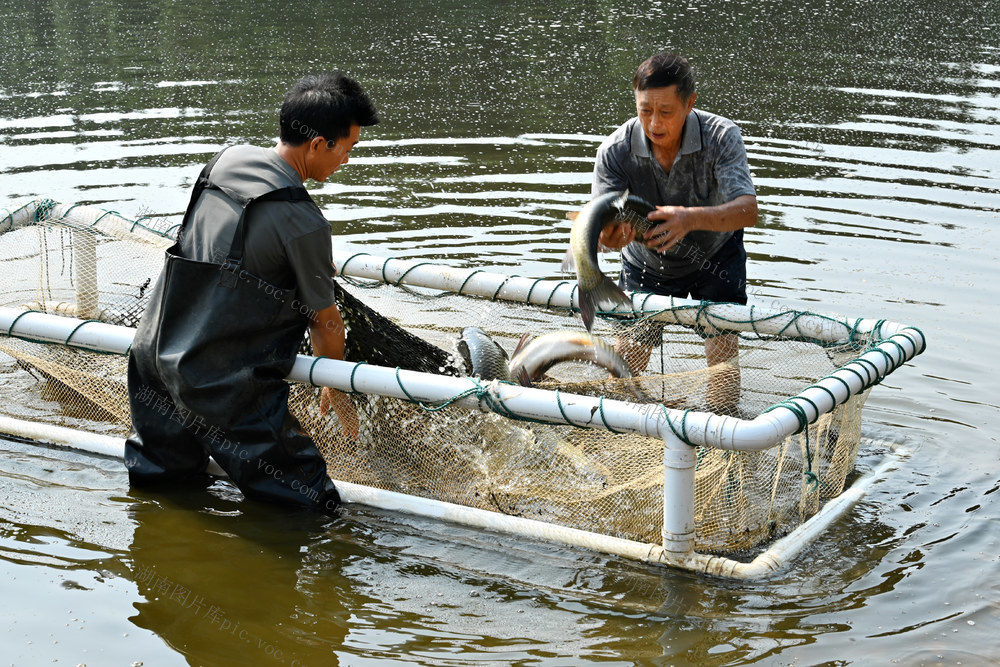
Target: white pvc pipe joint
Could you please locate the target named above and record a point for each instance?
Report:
(679, 461)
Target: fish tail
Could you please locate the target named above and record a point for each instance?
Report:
(637, 391)
(606, 291)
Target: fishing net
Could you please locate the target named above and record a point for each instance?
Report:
(95, 265)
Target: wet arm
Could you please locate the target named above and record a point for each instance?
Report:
(329, 336)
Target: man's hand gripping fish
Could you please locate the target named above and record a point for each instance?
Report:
(596, 289)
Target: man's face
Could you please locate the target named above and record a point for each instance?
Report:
(327, 159)
(662, 114)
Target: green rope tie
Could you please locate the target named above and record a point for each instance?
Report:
(43, 209)
(70, 209)
(354, 370)
(500, 287)
(343, 267)
(138, 223)
(642, 308)
(852, 334)
(842, 381)
(600, 411)
(810, 402)
(478, 390)
(829, 393)
(405, 273)
(102, 215)
(77, 328)
(498, 406)
(548, 302)
(10, 329)
(877, 329)
(899, 348)
(527, 299)
(311, 367)
(682, 435)
(923, 339)
(864, 383)
(800, 414)
(866, 364)
(10, 333)
(562, 410)
(384, 265)
(467, 279)
(890, 363)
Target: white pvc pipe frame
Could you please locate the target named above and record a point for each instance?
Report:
(698, 428)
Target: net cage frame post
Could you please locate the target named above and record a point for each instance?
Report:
(679, 526)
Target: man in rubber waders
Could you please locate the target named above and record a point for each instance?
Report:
(251, 271)
(692, 166)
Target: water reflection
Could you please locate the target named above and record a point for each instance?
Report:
(222, 583)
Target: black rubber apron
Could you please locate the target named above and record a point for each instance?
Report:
(207, 369)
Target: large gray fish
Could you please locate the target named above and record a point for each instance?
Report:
(596, 289)
(532, 358)
(482, 356)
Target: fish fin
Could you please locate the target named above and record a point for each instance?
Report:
(569, 261)
(520, 376)
(620, 200)
(525, 339)
(618, 368)
(605, 292)
(465, 355)
(640, 395)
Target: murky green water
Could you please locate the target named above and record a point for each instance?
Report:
(872, 130)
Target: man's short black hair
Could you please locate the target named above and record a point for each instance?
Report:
(665, 69)
(324, 105)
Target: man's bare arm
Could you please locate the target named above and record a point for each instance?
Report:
(329, 336)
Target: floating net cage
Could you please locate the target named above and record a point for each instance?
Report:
(657, 468)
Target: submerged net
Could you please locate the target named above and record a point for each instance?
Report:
(95, 265)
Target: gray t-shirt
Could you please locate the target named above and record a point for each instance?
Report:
(710, 169)
(288, 244)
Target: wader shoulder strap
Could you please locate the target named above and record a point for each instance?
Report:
(204, 182)
(199, 187)
(290, 194)
(234, 260)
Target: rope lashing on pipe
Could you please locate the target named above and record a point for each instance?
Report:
(791, 330)
(704, 315)
(800, 414)
(682, 434)
(11, 334)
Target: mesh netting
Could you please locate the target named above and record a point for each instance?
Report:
(591, 479)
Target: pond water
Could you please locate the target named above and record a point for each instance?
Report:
(872, 132)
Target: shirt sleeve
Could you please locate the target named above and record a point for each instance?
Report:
(731, 169)
(311, 259)
(609, 175)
